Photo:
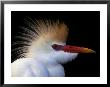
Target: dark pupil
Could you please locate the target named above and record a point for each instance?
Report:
(57, 47)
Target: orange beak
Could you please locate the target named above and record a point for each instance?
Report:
(76, 49)
(72, 49)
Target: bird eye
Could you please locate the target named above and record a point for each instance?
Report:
(57, 47)
(54, 46)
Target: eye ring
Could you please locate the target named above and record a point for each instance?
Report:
(57, 47)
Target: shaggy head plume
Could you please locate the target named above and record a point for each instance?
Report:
(35, 33)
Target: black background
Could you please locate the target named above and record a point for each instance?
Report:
(84, 30)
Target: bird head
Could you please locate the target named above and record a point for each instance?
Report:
(45, 40)
(49, 43)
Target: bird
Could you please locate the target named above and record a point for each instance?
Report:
(43, 49)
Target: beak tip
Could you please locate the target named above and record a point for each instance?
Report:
(86, 50)
(92, 51)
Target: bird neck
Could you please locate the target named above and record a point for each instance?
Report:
(53, 67)
(45, 59)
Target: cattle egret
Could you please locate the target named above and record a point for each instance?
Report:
(44, 51)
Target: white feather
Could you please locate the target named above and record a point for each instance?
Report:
(42, 65)
(40, 58)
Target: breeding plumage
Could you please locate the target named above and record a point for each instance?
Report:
(44, 49)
